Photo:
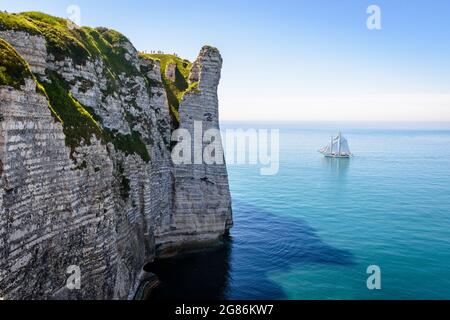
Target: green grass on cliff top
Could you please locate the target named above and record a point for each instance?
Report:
(13, 69)
(175, 89)
(66, 40)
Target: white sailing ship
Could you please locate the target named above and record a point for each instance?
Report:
(337, 148)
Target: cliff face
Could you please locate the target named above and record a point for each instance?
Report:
(86, 174)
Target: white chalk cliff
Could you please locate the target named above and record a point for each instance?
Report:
(104, 196)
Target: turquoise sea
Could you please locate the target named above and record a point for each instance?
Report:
(311, 231)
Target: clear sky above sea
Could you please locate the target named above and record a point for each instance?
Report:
(297, 60)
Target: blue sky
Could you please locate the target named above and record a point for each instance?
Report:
(297, 60)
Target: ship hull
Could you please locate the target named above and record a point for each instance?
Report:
(336, 156)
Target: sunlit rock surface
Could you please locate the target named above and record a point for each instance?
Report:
(101, 205)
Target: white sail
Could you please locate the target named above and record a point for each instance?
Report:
(345, 149)
(338, 147)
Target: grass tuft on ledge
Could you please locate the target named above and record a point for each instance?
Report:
(78, 124)
(13, 68)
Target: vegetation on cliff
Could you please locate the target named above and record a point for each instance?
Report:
(66, 40)
(128, 143)
(80, 123)
(177, 88)
(17, 22)
(81, 44)
(13, 69)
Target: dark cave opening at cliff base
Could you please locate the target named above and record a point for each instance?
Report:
(239, 269)
(194, 276)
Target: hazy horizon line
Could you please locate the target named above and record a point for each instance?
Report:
(341, 121)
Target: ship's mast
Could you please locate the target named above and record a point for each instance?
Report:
(339, 145)
(331, 145)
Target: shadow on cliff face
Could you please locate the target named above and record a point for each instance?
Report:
(261, 243)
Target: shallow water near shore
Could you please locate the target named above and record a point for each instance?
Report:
(311, 231)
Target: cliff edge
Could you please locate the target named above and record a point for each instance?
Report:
(86, 174)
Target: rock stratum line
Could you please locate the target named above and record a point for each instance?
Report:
(86, 176)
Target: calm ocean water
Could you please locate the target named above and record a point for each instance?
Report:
(311, 231)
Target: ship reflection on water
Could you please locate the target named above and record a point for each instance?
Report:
(338, 166)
